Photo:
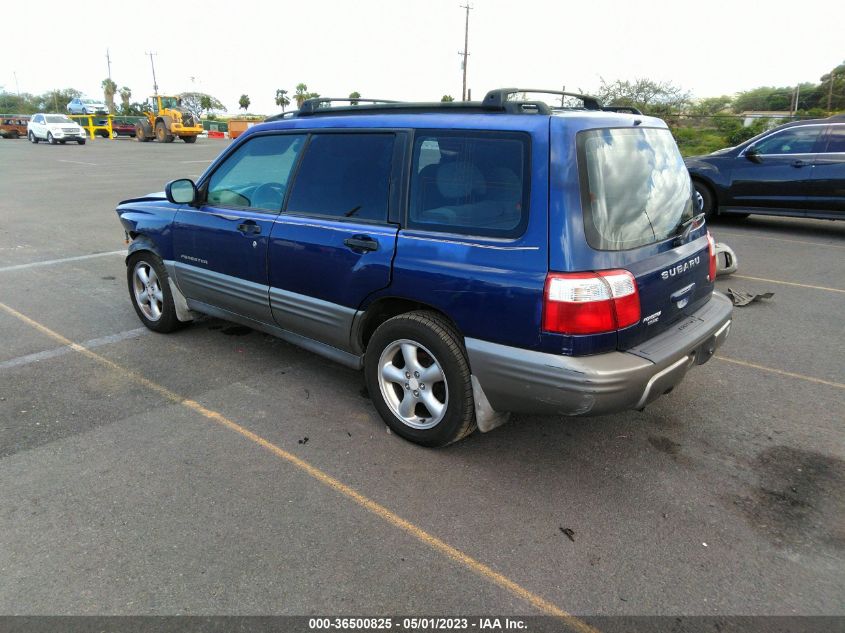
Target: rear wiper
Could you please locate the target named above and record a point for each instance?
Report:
(685, 228)
(352, 211)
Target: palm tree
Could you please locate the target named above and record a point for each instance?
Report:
(243, 102)
(109, 90)
(354, 96)
(282, 99)
(301, 94)
(125, 98)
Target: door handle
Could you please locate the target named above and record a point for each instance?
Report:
(249, 227)
(361, 243)
(799, 163)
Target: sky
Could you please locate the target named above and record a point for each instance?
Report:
(409, 49)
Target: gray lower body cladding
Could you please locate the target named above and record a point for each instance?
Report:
(525, 381)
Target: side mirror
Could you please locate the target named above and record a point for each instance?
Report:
(182, 191)
(753, 155)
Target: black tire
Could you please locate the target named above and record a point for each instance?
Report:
(81, 141)
(32, 138)
(162, 134)
(62, 142)
(139, 133)
(167, 320)
(708, 207)
(50, 138)
(189, 139)
(440, 344)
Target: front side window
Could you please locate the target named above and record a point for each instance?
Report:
(798, 140)
(469, 182)
(256, 175)
(635, 188)
(344, 176)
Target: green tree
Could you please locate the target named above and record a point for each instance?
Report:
(199, 102)
(710, 105)
(282, 99)
(447, 99)
(109, 90)
(763, 98)
(244, 102)
(23, 103)
(354, 96)
(832, 89)
(301, 95)
(652, 97)
(125, 99)
(57, 100)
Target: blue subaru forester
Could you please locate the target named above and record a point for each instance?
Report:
(474, 259)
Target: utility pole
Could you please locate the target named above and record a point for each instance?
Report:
(562, 97)
(108, 61)
(152, 65)
(18, 88)
(465, 52)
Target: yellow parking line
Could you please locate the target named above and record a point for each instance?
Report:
(775, 239)
(781, 372)
(379, 510)
(789, 283)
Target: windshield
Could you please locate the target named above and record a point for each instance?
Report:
(169, 102)
(635, 189)
(57, 118)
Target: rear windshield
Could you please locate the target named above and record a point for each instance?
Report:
(635, 189)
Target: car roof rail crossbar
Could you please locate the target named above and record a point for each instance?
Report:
(623, 109)
(398, 107)
(500, 97)
(310, 105)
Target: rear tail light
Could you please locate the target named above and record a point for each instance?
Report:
(711, 247)
(590, 303)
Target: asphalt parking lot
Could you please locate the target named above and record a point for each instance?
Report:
(152, 474)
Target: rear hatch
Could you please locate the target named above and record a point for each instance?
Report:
(639, 215)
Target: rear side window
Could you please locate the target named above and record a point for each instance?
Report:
(344, 175)
(836, 140)
(469, 182)
(635, 188)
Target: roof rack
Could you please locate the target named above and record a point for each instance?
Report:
(500, 100)
(623, 109)
(310, 105)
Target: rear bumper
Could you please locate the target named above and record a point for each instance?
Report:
(524, 381)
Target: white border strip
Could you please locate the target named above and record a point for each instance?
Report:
(50, 262)
(60, 351)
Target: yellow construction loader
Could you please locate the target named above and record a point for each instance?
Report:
(168, 120)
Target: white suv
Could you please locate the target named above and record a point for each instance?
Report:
(54, 128)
